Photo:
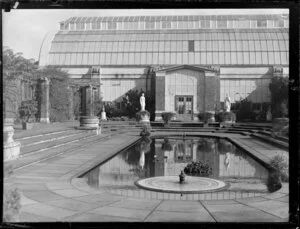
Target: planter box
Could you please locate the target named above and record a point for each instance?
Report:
(27, 125)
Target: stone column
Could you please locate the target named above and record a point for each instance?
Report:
(160, 95)
(45, 102)
(71, 102)
(87, 118)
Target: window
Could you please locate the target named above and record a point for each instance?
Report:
(205, 24)
(72, 26)
(88, 26)
(150, 25)
(262, 23)
(62, 26)
(279, 23)
(222, 24)
(80, 26)
(112, 25)
(166, 24)
(96, 25)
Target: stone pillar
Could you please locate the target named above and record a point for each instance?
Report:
(71, 102)
(87, 118)
(45, 102)
(160, 87)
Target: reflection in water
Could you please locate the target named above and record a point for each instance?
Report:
(169, 156)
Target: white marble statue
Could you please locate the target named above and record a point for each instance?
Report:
(103, 114)
(142, 159)
(227, 160)
(227, 103)
(142, 102)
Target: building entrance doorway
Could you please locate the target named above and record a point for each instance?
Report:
(184, 107)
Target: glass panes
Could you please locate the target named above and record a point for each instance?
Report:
(185, 46)
(203, 57)
(179, 58)
(221, 45)
(126, 46)
(111, 25)
(150, 25)
(264, 56)
(149, 57)
(72, 26)
(132, 46)
(271, 57)
(258, 58)
(166, 24)
(277, 58)
(167, 46)
(191, 58)
(209, 58)
(221, 23)
(252, 58)
(205, 24)
(245, 45)
(253, 24)
(239, 46)
(240, 58)
(173, 57)
(174, 24)
(167, 58)
(185, 58)
(190, 24)
(251, 45)
(88, 26)
(233, 45)
(180, 25)
(270, 45)
(262, 23)
(283, 56)
(209, 45)
(257, 45)
(233, 57)
(197, 58)
(215, 46)
(263, 45)
(221, 58)
(202, 46)
(229, 24)
(185, 24)
(246, 58)
(161, 59)
(137, 58)
(125, 58)
(131, 58)
(138, 46)
(227, 58)
(244, 24)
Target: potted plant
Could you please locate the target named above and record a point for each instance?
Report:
(27, 111)
(167, 116)
(167, 146)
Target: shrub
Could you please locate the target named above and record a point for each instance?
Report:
(140, 114)
(199, 168)
(167, 116)
(281, 164)
(146, 131)
(205, 116)
(273, 181)
(224, 116)
(28, 110)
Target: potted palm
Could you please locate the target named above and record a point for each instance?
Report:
(27, 111)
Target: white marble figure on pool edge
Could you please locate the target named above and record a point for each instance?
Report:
(227, 103)
(142, 102)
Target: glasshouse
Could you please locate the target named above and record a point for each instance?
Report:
(187, 64)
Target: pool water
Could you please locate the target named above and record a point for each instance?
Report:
(152, 157)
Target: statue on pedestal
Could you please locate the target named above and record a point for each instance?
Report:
(227, 103)
(142, 102)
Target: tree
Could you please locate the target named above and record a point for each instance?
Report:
(58, 93)
(15, 69)
(279, 96)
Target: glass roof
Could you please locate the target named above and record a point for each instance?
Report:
(168, 47)
(175, 18)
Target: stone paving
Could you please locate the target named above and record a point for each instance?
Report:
(52, 192)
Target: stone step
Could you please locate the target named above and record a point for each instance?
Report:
(19, 137)
(34, 140)
(278, 143)
(51, 153)
(56, 143)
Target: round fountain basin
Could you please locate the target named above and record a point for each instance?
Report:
(171, 184)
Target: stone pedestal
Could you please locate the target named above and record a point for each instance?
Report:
(103, 116)
(11, 147)
(44, 103)
(87, 119)
(144, 118)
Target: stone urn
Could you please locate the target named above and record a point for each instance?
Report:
(144, 117)
(11, 147)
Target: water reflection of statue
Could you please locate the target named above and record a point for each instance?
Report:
(227, 103)
(142, 102)
(142, 159)
(227, 160)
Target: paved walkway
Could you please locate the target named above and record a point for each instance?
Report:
(51, 192)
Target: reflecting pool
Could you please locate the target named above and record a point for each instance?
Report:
(153, 157)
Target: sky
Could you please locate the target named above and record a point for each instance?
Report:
(24, 30)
